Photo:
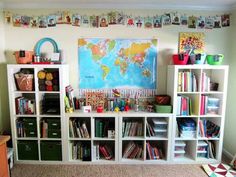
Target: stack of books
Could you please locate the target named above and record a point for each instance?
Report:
(78, 129)
(102, 126)
(153, 153)
(81, 151)
(186, 128)
(24, 105)
(132, 128)
(133, 151)
(187, 82)
(208, 129)
(184, 106)
(104, 150)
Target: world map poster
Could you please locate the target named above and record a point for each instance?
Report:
(117, 63)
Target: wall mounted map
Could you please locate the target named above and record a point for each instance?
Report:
(117, 63)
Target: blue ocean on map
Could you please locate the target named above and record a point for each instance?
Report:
(117, 63)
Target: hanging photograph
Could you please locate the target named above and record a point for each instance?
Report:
(225, 20)
(192, 22)
(103, 22)
(130, 21)
(157, 22)
(25, 21)
(148, 22)
(85, 21)
(112, 19)
(67, 17)
(51, 20)
(175, 18)
(201, 22)
(94, 21)
(16, 20)
(184, 19)
(166, 19)
(217, 22)
(59, 18)
(120, 18)
(117, 63)
(139, 22)
(76, 19)
(209, 23)
(42, 22)
(34, 22)
(191, 42)
(8, 17)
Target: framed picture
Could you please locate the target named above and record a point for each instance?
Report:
(233, 162)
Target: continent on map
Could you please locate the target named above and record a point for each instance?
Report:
(105, 70)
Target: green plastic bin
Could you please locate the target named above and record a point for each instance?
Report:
(30, 123)
(27, 150)
(52, 133)
(31, 132)
(54, 123)
(51, 150)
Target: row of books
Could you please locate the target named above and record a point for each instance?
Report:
(157, 127)
(184, 105)
(81, 151)
(102, 152)
(209, 105)
(132, 128)
(24, 105)
(133, 150)
(102, 127)
(153, 153)
(78, 129)
(20, 129)
(187, 82)
(186, 128)
(208, 129)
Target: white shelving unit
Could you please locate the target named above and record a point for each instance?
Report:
(127, 126)
(177, 85)
(98, 136)
(24, 143)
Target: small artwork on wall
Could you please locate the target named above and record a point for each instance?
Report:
(76, 19)
(34, 22)
(192, 22)
(51, 21)
(201, 22)
(184, 19)
(42, 22)
(225, 20)
(191, 42)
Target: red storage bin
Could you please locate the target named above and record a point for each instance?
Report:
(180, 59)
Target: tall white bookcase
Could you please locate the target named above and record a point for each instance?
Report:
(180, 83)
(28, 142)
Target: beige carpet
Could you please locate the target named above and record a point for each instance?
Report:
(20, 170)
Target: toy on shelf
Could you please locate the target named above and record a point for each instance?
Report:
(48, 80)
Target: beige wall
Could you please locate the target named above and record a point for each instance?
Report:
(217, 41)
(230, 123)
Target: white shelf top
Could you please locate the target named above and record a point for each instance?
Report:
(156, 138)
(204, 66)
(50, 139)
(79, 139)
(103, 139)
(133, 138)
(27, 138)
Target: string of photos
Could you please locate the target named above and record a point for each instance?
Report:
(117, 18)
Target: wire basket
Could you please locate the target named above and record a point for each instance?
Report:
(24, 82)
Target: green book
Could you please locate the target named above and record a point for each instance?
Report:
(101, 126)
(97, 128)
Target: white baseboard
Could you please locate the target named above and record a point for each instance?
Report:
(228, 154)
